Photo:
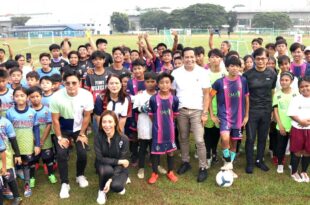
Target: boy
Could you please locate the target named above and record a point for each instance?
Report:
(281, 47)
(16, 76)
(33, 79)
(298, 66)
(2, 53)
(96, 82)
(271, 49)
(6, 94)
(144, 124)
(307, 54)
(177, 62)
(200, 56)
(56, 61)
(47, 87)
(46, 70)
(57, 82)
(284, 64)
(118, 59)
(101, 45)
(233, 109)
(167, 61)
(45, 122)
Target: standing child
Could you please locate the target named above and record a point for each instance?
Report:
(163, 110)
(32, 79)
(298, 66)
(46, 70)
(6, 94)
(45, 121)
(16, 76)
(233, 109)
(57, 82)
(284, 64)
(167, 62)
(144, 124)
(281, 101)
(299, 111)
(26, 125)
(2, 166)
(46, 84)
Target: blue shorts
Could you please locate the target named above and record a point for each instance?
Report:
(235, 134)
(163, 148)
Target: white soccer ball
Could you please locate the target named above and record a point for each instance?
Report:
(224, 178)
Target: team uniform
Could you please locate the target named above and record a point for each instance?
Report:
(96, 83)
(42, 73)
(7, 101)
(163, 112)
(123, 71)
(46, 100)
(299, 71)
(231, 104)
(58, 63)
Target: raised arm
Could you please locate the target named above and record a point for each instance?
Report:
(148, 45)
(175, 41)
(211, 44)
(11, 53)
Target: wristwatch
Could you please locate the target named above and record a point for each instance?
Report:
(205, 113)
(59, 137)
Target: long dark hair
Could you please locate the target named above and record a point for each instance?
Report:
(121, 94)
(111, 113)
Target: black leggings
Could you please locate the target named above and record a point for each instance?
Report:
(281, 146)
(273, 137)
(156, 160)
(10, 181)
(144, 144)
(211, 137)
(118, 174)
(63, 158)
(47, 156)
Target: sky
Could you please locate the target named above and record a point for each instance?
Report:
(67, 9)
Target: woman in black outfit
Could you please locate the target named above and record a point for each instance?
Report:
(111, 148)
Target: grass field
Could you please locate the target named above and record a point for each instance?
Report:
(258, 188)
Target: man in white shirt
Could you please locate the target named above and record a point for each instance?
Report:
(192, 86)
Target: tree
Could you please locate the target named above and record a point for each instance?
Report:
(231, 20)
(274, 20)
(155, 19)
(120, 22)
(20, 20)
(199, 16)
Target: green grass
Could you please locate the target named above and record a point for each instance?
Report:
(258, 188)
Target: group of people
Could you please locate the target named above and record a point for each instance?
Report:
(147, 102)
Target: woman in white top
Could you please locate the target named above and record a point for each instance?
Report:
(20, 59)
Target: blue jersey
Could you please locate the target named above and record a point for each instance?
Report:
(6, 132)
(25, 123)
(7, 101)
(46, 100)
(42, 73)
(44, 117)
(230, 101)
(163, 112)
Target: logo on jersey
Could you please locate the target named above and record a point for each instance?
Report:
(121, 144)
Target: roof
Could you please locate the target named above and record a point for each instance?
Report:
(59, 27)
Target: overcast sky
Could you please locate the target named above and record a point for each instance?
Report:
(64, 7)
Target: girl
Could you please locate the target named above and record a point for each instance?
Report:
(163, 110)
(20, 59)
(111, 148)
(248, 62)
(26, 125)
(272, 63)
(281, 101)
(299, 111)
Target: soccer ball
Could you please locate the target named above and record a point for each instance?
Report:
(224, 178)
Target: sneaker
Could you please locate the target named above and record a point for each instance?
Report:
(184, 168)
(32, 182)
(122, 192)
(161, 170)
(45, 169)
(171, 176)
(271, 154)
(215, 160)
(7, 193)
(209, 161)
(102, 198)
(153, 178)
(64, 191)
(28, 191)
(280, 169)
(262, 166)
(82, 181)
(141, 173)
(17, 201)
(20, 174)
(227, 166)
(196, 154)
(249, 169)
(296, 177)
(202, 174)
(128, 181)
(52, 179)
(305, 177)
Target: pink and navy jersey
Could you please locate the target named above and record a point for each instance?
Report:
(299, 71)
(134, 86)
(163, 112)
(230, 96)
(7, 101)
(158, 64)
(46, 100)
(167, 69)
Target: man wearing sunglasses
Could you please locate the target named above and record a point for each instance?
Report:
(71, 109)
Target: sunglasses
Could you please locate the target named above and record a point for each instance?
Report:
(68, 83)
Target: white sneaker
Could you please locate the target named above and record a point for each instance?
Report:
(122, 192)
(128, 181)
(161, 170)
(64, 191)
(296, 177)
(82, 181)
(305, 177)
(102, 198)
(280, 169)
(227, 166)
(140, 173)
(209, 161)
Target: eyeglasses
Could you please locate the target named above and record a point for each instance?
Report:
(68, 83)
(260, 58)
